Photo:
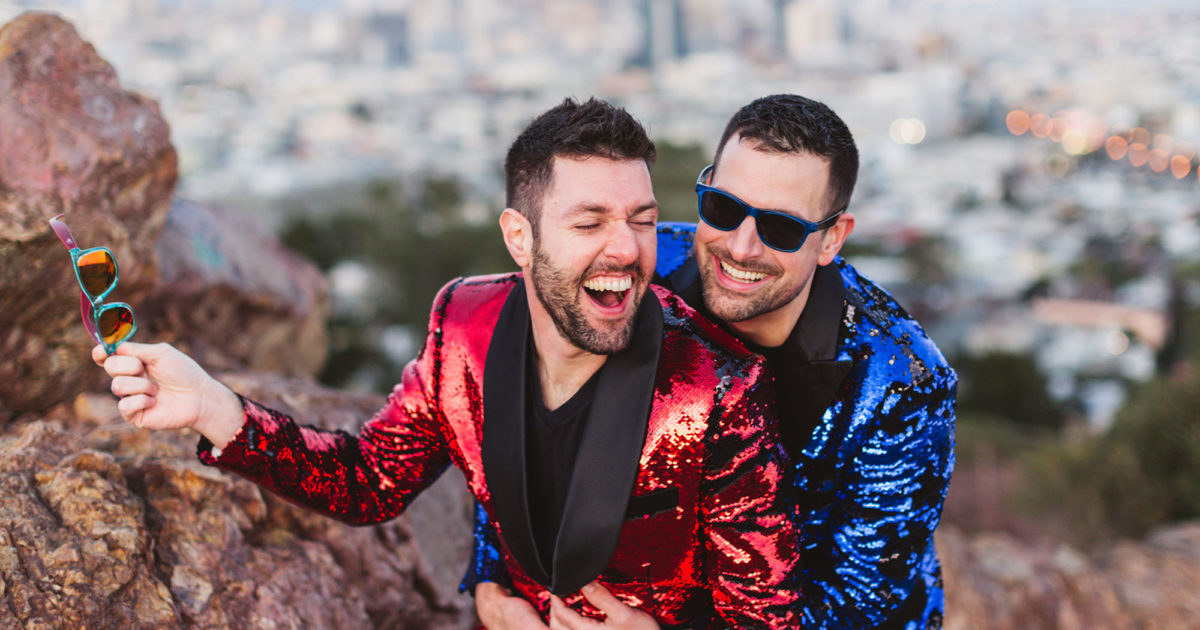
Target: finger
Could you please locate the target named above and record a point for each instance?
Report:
(561, 616)
(124, 366)
(99, 355)
(608, 603)
(133, 408)
(130, 385)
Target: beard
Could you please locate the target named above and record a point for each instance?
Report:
(558, 292)
(736, 307)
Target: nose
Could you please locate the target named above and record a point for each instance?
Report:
(622, 246)
(743, 243)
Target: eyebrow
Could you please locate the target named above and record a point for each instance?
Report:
(776, 210)
(595, 209)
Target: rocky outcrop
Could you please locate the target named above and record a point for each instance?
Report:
(106, 526)
(71, 141)
(233, 298)
(103, 525)
(996, 582)
(204, 278)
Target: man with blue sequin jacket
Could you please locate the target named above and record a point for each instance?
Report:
(865, 398)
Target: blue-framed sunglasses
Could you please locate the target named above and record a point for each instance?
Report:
(777, 230)
(96, 270)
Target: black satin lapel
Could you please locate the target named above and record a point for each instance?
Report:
(820, 325)
(807, 374)
(609, 454)
(811, 387)
(685, 282)
(503, 449)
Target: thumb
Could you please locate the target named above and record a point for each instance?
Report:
(147, 353)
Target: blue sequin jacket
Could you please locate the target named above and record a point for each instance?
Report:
(870, 424)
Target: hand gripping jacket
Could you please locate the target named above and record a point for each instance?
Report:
(873, 443)
(672, 502)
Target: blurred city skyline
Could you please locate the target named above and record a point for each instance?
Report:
(1021, 145)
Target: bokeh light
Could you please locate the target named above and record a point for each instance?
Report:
(1039, 124)
(907, 131)
(1056, 128)
(1116, 146)
(1017, 122)
(1138, 154)
(1180, 166)
(1081, 132)
(1139, 135)
(1159, 160)
(1076, 142)
(1164, 142)
(1118, 342)
(1058, 165)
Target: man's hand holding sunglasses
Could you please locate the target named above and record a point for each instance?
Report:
(163, 388)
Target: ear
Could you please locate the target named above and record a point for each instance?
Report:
(518, 236)
(834, 237)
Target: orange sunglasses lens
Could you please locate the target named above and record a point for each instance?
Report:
(115, 324)
(97, 272)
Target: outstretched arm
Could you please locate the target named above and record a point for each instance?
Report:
(865, 553)
(359, 479)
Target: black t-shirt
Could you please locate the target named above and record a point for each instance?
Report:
(552, 439)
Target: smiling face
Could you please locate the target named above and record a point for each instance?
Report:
(594, 254)
(758, 290)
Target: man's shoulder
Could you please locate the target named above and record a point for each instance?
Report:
(675, 240)
(469, 297)
(874, 320)
(687, 331)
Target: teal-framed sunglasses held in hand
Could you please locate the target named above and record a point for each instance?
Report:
(96, 270)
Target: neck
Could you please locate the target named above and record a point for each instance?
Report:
(772, 328)
(562, 366)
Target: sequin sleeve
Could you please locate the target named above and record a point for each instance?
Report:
(359, 479)
(749, 543)
(867, 567)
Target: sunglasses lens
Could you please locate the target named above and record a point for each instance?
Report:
(720, 211)
(780, 232)
(97, 272)
(115, 324)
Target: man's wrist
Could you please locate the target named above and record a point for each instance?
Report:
(221, 415)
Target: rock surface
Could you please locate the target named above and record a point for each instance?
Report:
(232, 297)
(997, 582)
(71, 141)
(103, 525)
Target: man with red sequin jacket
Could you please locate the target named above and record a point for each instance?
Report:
(619, 443)
(865, 399)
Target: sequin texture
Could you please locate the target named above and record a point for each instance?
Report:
(871, 478)
(721, 544)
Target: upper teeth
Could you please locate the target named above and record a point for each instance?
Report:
(738, 274)
(609, 284)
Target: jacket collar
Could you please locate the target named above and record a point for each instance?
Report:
(807, 373)
(609, 452)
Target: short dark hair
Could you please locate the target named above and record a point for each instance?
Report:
(788, 123)
(572, 130)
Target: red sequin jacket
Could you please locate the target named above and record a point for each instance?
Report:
(672, 500)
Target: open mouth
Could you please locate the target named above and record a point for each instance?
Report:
(608, 292)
